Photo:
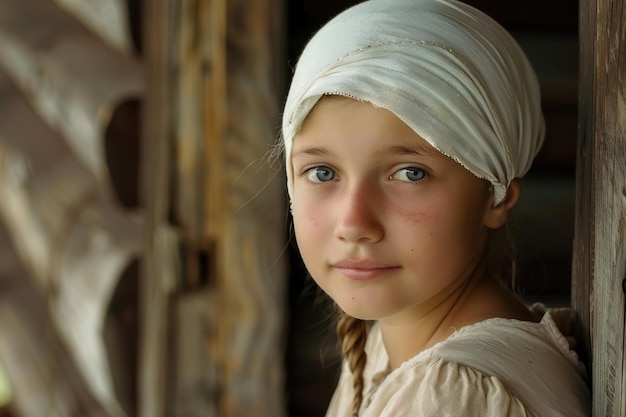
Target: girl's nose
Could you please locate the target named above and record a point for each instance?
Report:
(357, 217)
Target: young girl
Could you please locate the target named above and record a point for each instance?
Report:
(406, 129)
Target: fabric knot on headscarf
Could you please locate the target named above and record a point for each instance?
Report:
(447, 70)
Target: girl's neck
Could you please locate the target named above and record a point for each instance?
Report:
(469, 301)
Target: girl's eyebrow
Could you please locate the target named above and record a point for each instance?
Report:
(417, 149)
(414, 150)
(310, 151)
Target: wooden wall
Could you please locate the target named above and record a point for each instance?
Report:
(599, 282)
(213, 278)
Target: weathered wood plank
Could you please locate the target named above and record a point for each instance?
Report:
(212, 97)
(215, 109)
(225, 200)
(582, 270)
(196, 378)
(250, 223)
(159, 269)
(159, 280)
(609, 264)
(602, 153)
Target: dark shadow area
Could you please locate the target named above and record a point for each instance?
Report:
(122, 148)
(121, 329)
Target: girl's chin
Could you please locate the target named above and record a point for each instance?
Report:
(358, 310)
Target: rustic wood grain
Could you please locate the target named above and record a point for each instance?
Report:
(226, 200)
(609, 254)
(582, 271)
(600, 246)
(250, 223)
(214, 79)
(196, 386)
(159, 269)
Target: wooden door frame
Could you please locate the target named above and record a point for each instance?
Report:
(599, 252)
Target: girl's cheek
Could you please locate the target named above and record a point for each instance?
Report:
(416, 216)
(309, 219)
(415, 208)
(306, 215)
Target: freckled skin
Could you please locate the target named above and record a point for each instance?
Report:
(430, 230)
(414, 217)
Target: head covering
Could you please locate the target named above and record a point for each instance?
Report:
(447, 70)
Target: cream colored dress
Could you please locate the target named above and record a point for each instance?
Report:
(498, 367)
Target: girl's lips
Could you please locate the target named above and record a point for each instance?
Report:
(363, 270)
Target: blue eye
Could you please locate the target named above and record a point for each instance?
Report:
(320, 174)
(411, 174)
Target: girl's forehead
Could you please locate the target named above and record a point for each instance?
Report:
(339, 109)
(337, 122)
(335, 103)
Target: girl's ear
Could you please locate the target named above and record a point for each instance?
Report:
(498, 215)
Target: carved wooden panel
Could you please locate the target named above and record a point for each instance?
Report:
(70, 239)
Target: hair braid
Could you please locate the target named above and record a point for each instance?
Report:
(352, 333)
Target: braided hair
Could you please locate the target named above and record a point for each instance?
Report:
(352, 333)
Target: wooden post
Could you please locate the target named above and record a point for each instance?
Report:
(600, 240)
(246, 205)
(210, 119)
(158, 267)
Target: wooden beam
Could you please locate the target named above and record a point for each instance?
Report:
(250, 221)
(160, 270)
(600, 242)
(210, 119)
(582, 271)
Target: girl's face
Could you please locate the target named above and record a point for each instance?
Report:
(384, 222)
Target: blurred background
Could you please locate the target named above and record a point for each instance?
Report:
(147, 264)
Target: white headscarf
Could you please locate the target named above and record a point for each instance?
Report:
(447, 70)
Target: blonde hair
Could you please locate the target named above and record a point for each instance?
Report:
(352, 333)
